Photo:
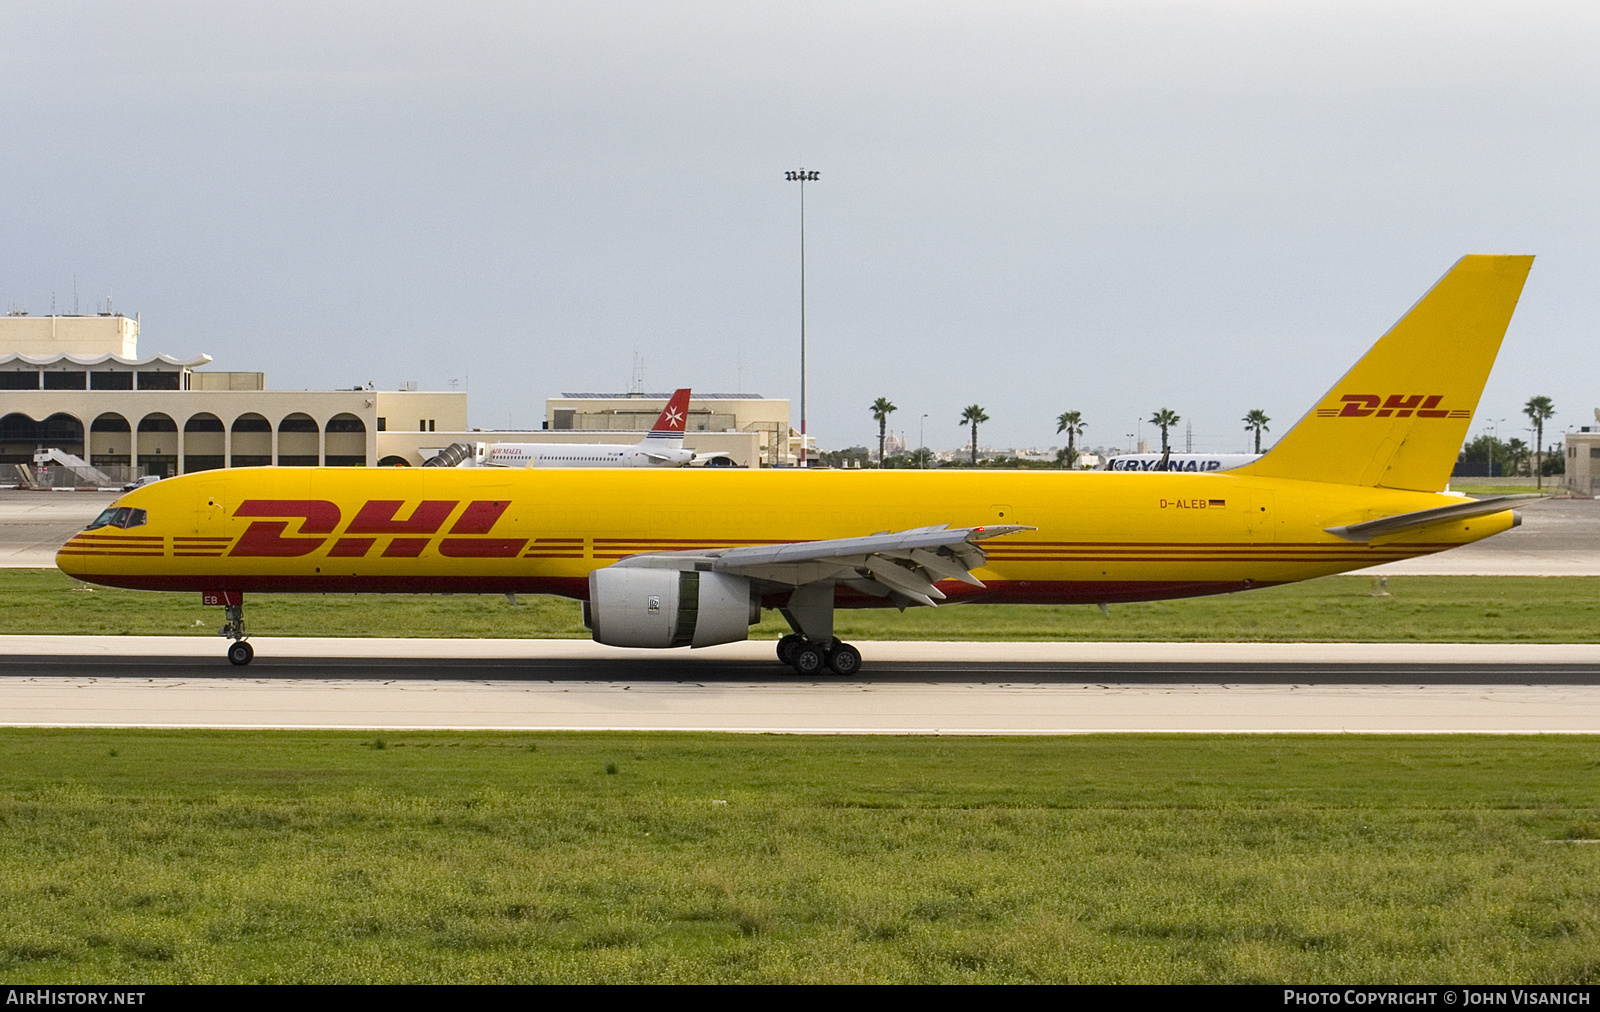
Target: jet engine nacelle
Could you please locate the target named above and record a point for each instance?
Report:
(643, 607)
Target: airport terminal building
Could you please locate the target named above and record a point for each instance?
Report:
(78, 384)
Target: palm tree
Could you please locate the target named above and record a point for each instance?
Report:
(881, 409)
(972, 415)
(1070, 422)
(1166, 418)
(1257, 420)
(1517, 454)
(1539, 409)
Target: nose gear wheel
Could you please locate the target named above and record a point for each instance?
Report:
(240, 652)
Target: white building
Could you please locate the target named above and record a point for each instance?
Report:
(78, 384)
(1583, 459)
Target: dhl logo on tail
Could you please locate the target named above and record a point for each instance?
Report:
(1396, 405)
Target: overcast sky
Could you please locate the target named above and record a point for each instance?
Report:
(1113, 207)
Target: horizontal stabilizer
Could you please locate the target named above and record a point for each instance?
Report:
(1402, 522)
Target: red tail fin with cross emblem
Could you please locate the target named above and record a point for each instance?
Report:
(673, 416)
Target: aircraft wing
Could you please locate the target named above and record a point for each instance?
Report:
(903, 565)
(1403, 522)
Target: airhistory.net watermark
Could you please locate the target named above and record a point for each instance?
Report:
(55, 996)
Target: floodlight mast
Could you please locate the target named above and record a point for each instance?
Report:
(802, 176)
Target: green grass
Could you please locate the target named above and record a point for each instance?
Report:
(150, 856)
(1421, 608)
(1506, 489)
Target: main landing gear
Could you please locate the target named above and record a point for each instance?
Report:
(808, 658)
(813, 646)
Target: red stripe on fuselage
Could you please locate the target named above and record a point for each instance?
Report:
(577, 587)
(481, 548)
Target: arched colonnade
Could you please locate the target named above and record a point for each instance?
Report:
(203, 442)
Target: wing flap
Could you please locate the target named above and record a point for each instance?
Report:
(946, 568)
(910, 582)
(873, 544)
(902, 564)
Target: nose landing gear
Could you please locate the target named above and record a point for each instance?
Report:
(240, 653)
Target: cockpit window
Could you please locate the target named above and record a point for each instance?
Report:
(119, 516)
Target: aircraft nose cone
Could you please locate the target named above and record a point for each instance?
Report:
(67, 563)
(75, 559)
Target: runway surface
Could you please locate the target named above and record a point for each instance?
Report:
(906, 688)
(34, 524)
(915, 688)
(1558, 537)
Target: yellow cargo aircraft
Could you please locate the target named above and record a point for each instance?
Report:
(678, 557)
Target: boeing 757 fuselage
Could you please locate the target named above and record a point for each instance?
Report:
(676, 557)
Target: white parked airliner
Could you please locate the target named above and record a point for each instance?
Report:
(661, 447)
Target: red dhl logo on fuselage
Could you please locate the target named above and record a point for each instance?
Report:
(267, 537)
(1394, 405)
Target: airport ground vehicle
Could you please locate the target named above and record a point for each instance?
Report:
(673, 557)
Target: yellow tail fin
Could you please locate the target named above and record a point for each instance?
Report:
(1398, 419)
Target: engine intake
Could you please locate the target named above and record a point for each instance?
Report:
(641, 607)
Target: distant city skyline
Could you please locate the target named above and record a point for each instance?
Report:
(1034, 207)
